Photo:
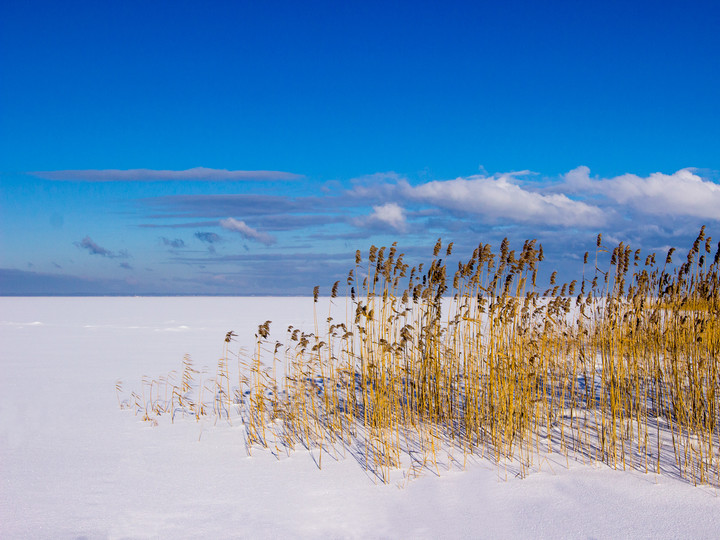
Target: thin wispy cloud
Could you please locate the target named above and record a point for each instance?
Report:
(246, 231)
(208, 237)
(292, 222)
(310, 253)
(282, 272)
(154, 175)
(390, 201)
(189, 225)
(220, 206)
(563, 212)
(177, 243)
(93, 248)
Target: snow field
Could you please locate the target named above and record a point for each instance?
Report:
(72, 464)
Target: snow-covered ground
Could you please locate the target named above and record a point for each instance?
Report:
(74, 465)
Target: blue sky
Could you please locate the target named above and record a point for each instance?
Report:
(252, 147)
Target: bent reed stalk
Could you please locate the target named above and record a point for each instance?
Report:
(621, 367)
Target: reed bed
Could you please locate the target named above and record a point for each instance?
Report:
(432, 366)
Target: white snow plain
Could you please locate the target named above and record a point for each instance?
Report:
(74, 465)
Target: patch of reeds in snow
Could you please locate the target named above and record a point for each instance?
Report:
(429, 369)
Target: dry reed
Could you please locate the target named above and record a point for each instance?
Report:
(620, 366)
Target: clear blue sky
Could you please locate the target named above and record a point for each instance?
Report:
(251, 147)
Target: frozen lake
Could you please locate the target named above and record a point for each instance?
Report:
(72, 464)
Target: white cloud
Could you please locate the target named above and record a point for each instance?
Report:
(153, 175)
(246, 231)
(501, 198)
(391, 214)
(682, 193)
(386, 215)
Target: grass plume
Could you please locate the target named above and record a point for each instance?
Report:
(433, 365)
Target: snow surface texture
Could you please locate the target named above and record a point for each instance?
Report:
(72, 464)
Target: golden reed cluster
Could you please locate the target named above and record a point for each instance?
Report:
(620, 366)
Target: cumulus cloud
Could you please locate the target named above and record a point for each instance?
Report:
(154, 175)
(177, 243)
(388, 215)
(95, 249)
(207, 237)
(503, 198)
(682, 193)
(246, 231)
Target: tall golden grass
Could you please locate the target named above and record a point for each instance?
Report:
(619, 366)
